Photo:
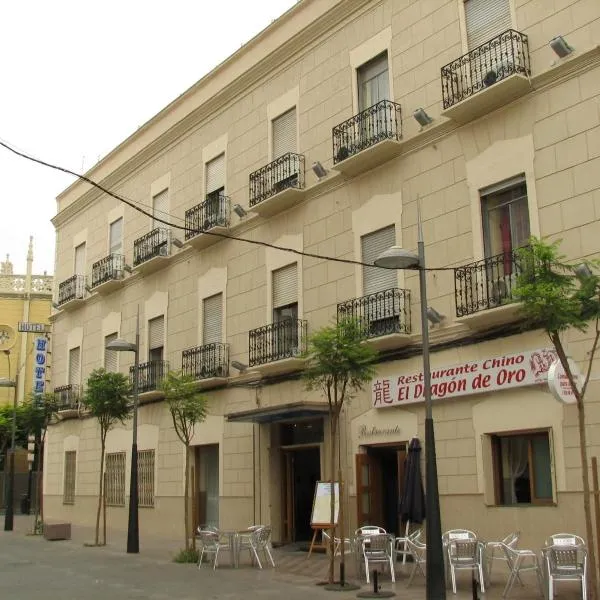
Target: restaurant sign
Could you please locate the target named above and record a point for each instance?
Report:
(473, 377)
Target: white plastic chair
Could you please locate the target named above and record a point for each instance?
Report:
(401, 547)
(464, 551)
(518, 562)
(377, 548)
(495, 551)
(419, 553)
(337, 543)
(257, 540)
(211, 543)
(565, 558)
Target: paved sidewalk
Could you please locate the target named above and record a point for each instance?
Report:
(68, 570)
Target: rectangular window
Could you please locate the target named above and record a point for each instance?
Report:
(285, 311)
(115, 237)
(215, 176)
(212, 319)
(373, 82)
(486, 19)
(69, 477)
(376, 279)
(522, 468)
(111, 358)
(505, 216)
(160, 208)
(115, 479)
(146, 478)
(285, 134)
(75, 366)
(156, 338)
(79, 260)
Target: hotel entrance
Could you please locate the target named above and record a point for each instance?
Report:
(379, 480)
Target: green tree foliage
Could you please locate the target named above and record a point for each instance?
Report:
(187, 407)
(339, 364)
(108, 400)
(557, 296)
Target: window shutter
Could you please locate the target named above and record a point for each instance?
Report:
(116, 237)
(373, 82)
(74, 365)
(160, 207)
(111, 362)
(486, 19)
(215, 174)
(212, 319)
(284, 134)
(373, 244)
(285, 286)
(80, 259)
(156, 333)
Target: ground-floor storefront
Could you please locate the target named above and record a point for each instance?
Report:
(507, 451)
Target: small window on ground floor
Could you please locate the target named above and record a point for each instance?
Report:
(69, 477)
(146, 478)
(522, 468)
(115, 479)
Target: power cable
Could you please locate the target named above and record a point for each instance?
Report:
(133, 204)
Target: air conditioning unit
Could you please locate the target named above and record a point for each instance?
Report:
(163, 250)
(500, 289)
(500, 71)
(207, 224)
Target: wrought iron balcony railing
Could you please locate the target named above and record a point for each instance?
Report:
(382, 121)
(285, 172)
(485, 284)
(155, 243)
(202, 362)
(151, 373)
(109, 268)
(213, 212)
(286, 339)
(497, 59)
(71, 289)
(67, 397)
(380, 313)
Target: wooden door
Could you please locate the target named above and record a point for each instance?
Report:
(368, 490)
(287, 496)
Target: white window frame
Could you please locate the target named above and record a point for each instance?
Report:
(462, 19)
(279, 106)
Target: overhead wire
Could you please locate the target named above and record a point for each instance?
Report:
(135, 206)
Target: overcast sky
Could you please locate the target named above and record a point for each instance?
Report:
(78, 77)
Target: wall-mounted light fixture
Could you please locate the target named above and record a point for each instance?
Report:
(434, 316)
(239, 211)
(241, 367)
(560, 46)
(177, 243)
(127, 269)
(422, 118)
(54, 305)
(319, 170)
(583, 271)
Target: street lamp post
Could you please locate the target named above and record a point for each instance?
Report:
(133, 528)
(10, 488)
(398, 258)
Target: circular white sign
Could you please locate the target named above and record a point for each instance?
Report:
(559, 383)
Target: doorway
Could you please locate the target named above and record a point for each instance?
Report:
(207, 484)
(379, 481)
(302, 470)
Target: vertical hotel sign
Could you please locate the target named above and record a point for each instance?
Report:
(40, 351)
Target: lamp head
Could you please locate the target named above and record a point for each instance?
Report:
(121, 345)
(397, 258)
(7, 383)
(241, 367)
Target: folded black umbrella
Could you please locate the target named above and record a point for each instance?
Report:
(412, 502)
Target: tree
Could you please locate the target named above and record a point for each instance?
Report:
(558, 297)
(6, 415)
(107, 399)
(187, 407)
(339, 365)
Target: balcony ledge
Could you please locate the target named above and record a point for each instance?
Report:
(279, 202)
(152, 265)
(68, 413)
(389, 341)
(71, 304)
(285, 365)
(492, 317)
(369, 157)
(150, 396)
(489, 99)
(108, 287)
(204, 240)
(211, 382)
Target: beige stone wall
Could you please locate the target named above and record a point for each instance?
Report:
(550, 134)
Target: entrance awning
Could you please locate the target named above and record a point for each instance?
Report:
(280, 412)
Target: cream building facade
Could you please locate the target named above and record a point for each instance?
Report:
(508, 145)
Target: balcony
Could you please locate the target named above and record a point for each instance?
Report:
(278, 347)
(208, 364)
(484, 291)
(368, 139)
(213, 215)
(152, 251)
(487, 77)
(384, 317)
(107, 273)
(68, 400)
(71, 292)
(150, 376)
(278, 185)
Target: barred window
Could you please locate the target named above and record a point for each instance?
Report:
(115, 479)
(146, 478)
(69, 482)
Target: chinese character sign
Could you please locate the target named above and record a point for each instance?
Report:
(40, 349)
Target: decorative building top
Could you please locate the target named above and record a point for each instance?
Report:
(6, 267)
(22, 284)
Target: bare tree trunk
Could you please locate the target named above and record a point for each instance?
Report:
(101, 489)
(185, 497)
(104, 513)
(333, 426)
